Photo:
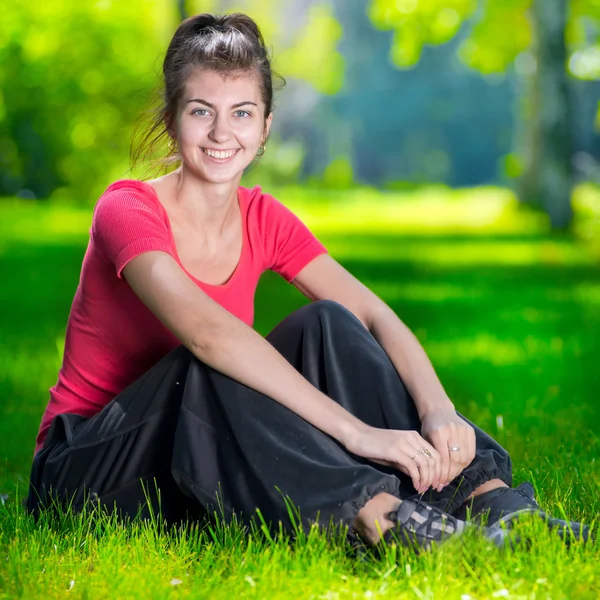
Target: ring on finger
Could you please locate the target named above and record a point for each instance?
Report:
(424, 452)
(454, 448)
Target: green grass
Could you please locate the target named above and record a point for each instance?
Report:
(509, 316)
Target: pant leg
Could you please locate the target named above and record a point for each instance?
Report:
(122, 455)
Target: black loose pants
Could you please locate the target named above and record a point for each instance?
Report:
(211, 443)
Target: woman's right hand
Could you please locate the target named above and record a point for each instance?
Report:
(400, 449)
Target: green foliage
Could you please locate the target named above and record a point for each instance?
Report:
(338, 174)
(74, 76)
(583, 37)
(501, 31)
(417, 23)
(513, 166)
(501, 34)
(314, 57)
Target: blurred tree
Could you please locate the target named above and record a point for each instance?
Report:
(544, 40)
(73, 77)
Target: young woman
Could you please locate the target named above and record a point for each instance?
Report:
(165, 382)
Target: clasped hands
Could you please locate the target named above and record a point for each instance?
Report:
(432, 459)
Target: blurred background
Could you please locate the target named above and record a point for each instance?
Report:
(384, 93)
(447, 152)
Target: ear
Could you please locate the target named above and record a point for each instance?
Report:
(169, 122)
(268, 122)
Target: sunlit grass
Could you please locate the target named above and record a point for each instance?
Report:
(586, 204)
(509, 316)
(428, 211)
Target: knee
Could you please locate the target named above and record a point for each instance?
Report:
(330, 311)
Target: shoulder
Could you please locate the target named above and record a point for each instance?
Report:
(129, 202)
(128, 219)
(128, 206)
(128, 194)
(262, 207)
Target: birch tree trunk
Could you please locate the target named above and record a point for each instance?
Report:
(548, 177)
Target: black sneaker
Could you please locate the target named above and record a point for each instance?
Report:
(418, 525)
(504, 506)
(568, 531)
(497, 503)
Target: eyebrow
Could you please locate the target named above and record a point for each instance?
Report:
(200, 101)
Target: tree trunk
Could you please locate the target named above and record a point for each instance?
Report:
(183, 14)
(548, 178)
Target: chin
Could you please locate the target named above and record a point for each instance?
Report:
(220, 177)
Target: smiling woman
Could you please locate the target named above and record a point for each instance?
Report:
(165, 385)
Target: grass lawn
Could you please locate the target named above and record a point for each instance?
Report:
(510, 318)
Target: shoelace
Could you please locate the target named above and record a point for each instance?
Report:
(424, 520)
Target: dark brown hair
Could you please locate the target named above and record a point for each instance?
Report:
(227, 44)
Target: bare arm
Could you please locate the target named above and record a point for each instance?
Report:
(221, 340)
(324, 278)
(410, 360)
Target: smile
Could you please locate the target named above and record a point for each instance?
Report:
(219, 154)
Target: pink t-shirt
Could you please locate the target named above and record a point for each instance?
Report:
(112, 338)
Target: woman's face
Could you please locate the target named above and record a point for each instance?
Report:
(220, 124)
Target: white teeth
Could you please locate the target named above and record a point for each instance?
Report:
(220, 153)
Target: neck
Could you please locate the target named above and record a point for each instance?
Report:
(209, 207)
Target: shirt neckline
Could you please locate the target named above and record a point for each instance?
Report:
(243, 252)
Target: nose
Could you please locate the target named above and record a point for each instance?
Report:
(221, 130)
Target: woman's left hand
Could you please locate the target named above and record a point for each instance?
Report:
(445, 430)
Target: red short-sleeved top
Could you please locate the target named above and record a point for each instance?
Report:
(112, 338)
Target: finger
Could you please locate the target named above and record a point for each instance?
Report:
(435, 465)
(408, 466)
(427, 458)
(441, 445)
(460, 458)
(472, 446)
(402, 457)
(469, 442)
(457, 462)
(457, 451)
(424, 466)
(415, 459)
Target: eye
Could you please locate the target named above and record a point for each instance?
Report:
(242, 113)
(197, 111)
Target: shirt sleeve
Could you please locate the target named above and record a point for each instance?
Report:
(127, 223)
(289, 244)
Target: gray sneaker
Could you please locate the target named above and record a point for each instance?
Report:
(418, 525)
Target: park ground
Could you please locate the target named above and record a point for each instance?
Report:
(509, 315)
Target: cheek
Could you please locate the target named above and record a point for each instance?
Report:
(190, 130)
(249, 135)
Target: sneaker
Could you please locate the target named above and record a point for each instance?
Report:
(497, 503)
(504, 506)
(568, 531)
(418, 525)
